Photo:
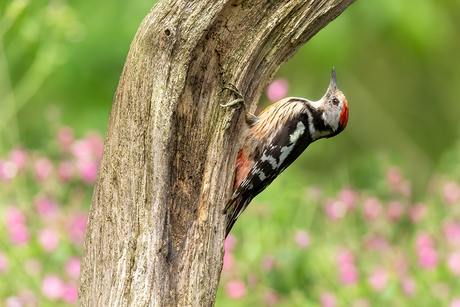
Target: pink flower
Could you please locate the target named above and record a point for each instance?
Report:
(77, 228)
(96, 143)
(17, 228)
(14, 217)
(408, 286)
(65, 138)
(72, 267)
(66, 171)
(19, 235)
(88, 171)
(82, 150)
(52, 287)
(427, 255)
(417, 212)
(451, 192)
(19, 158)
(45, 206)
(453, 262)
(8, 170)
(335, 210)
(48, 239)
(270, 298)
(28, 298)
(230, 243)
(348, 274)
(268, 263)
(452, 232)
(69, 293)
(14, 301)
(43, 169)
(89, 149)
(345, 256)
(88, 153)
(302, 239)
(395, 211)
(394, 178)
(328, 299)
(4, 263)
(372, 208)
(235, 289)
(348, 197)
(424, 240)
(277, 89)
(375, 242)
(455, 302)
(378, 279)
(229, 262)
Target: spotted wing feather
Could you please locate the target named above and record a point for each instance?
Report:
(278, 155)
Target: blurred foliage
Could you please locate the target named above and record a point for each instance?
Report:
(44, 200)
(300, 275)
(61, 58)
(396, 61)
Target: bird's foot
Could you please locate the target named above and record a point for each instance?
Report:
(239, 101)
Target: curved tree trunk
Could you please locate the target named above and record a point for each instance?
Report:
(155, 235)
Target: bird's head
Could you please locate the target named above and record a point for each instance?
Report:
(333, 108)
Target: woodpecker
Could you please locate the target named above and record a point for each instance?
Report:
(277, 137)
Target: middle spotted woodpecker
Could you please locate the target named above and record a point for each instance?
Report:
(277, 137)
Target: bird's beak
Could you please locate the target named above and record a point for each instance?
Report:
(333, 84)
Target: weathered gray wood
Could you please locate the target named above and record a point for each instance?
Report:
(155, 234)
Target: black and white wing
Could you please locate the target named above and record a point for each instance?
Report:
(278, 155)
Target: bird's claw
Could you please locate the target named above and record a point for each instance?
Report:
(239, 101)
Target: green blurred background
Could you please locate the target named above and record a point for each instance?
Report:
(397, 62)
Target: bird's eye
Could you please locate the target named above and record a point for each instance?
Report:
(335, 101)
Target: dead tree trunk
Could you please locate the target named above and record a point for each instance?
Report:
(155, 234)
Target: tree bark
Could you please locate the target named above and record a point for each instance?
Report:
(155, 234)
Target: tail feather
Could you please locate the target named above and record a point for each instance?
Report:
(228, 204)
(240, 204)
(232, 201)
